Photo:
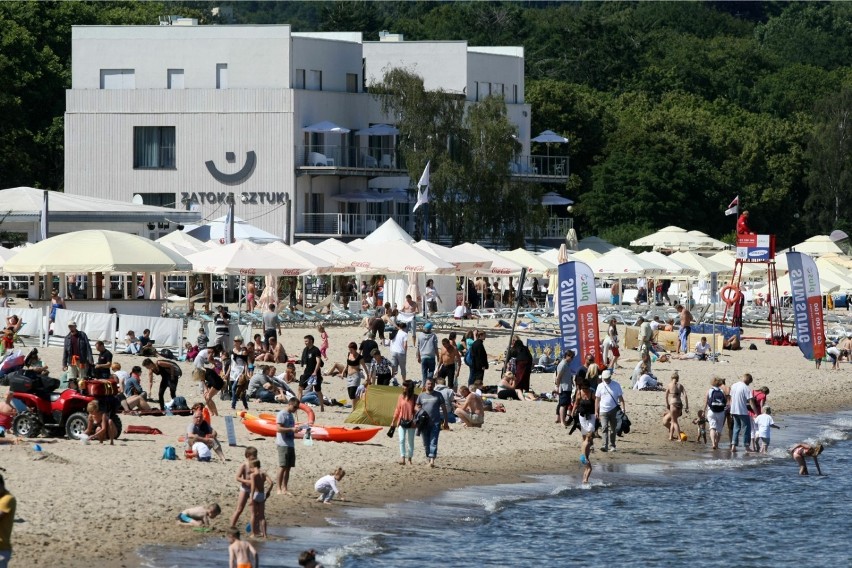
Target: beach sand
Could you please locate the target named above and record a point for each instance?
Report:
(82, 505)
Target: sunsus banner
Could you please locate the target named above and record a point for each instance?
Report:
(807, 304)
(577, 310)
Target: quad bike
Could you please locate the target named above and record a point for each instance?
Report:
(48, 411)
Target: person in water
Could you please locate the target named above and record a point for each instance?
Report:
(802, 451)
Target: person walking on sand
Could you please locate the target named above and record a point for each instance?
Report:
(564, 383)
(427, 351)
(685, 328)
(800, 452)
(742, 398)
(716, 401)
(285, 440)
(312, 375)
(433, 405)
(77, 353)
(7, 519)
(241, 554)
(677, 403)
(403, 418)
(608, 397)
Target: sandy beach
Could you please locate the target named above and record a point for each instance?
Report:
(82, 505)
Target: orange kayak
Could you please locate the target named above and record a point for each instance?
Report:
(264, 425)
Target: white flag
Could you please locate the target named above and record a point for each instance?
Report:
(423, 188)
(733, 207)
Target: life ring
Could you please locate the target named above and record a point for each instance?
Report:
(731, 295)
(309, 411)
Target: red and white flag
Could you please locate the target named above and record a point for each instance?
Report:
(734, 207)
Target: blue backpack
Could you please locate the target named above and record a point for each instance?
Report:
(169, 453)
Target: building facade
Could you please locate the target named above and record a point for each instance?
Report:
(186, 116)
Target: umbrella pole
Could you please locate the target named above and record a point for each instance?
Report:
(239, 296)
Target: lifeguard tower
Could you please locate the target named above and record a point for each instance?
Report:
(753, 249)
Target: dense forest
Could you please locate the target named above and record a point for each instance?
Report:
(672, 108)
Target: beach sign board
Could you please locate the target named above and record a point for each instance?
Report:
(577, 311)
(807, 305)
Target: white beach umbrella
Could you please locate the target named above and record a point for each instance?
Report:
(247, 258)
(291, 254)
(585, 255)
(818, 245)
(622, 263)
(500, 265)
(396, 257)
(535, 264)
(754, 270)
(180, 241)
(704, 265)
(671, 266)
(465, 262)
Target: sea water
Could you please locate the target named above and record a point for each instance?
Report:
(714, 510)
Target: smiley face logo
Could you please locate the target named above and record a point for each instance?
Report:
(237, 177)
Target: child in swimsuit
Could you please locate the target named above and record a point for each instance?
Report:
(261, 487)
(323, 342)
(241, 554)
(701, 422)
(244, 479)
(199, 516)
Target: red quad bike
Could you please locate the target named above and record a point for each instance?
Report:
(47, 410)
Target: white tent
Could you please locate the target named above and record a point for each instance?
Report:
(536, 265)
(704, 265)
(215, 230)
(671, 266)
(182, 240)
(465, 262)
(818, 245)
(585, 255)
(754, 270)
(289, 254)
(247, 258)
(674, 238)
(596, 244)
(395, 257)
(321, 253)
(622, 263)
(388, 231)
(336, 247)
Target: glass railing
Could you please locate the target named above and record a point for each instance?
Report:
(325, 156)
(349, 224)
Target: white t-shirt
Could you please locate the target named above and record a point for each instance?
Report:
(702, 348)
(201, 450)
(399, 342)
(459, 312)
(740, 395)
(603, 392)
(326, 482)
(202, 358)
(764, 424)
(646, 381)
(655, 325)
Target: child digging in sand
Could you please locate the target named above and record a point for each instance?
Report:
(326, 486)
(261, 487)
(199, 516)
(241, 554)
(701, 422)
(244, 479)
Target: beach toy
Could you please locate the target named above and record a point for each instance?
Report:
(248, 528)
(36, 448)
(683, 437)
(583, 459)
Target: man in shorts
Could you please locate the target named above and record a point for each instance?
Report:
(471, 411)
(312, 361)
(285, 441)
(398, 349)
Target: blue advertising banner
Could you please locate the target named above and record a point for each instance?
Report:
(807, 304)
(577, 311)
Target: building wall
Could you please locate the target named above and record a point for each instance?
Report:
(442, 64)
(333, 57)
(495, 69)
(208, 123)
(257, 56)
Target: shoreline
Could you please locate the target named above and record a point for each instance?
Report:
(80, 489)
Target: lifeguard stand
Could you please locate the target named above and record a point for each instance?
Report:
(754, 249)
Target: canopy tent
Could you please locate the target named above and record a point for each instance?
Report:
(336, 247)
(818, 245)
(321, 253)
(585, 255)
(596, 244)
(387, 232)
(243, 231)
(551, 198)
(96, 251)
(676, 239)
(500, 265)
(827, 285)
(326, 127)
(704, 265)
(395, 257)
(6, 254)
(293, 255)
(247, 258)
(839, 260)
(835, 272)
(182, 243)
(378, 130)
(622, 263)
(671, 266)
(754, 270)
(465, 262)
(535, 264)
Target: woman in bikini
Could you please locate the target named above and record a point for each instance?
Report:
(677, 403)
(355, 370)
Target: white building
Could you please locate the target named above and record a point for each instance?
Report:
(185, 114)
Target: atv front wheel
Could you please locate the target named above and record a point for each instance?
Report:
(27, 425)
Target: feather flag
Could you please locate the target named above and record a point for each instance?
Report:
(423, 188)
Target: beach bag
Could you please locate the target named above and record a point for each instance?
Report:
(169, 453)
(468, 357)
(167, 354)
(179, 403)
(716, 402)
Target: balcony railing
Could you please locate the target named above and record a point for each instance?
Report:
(348, 224)
(540, 166)
(325, 156)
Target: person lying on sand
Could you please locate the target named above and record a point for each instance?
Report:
(199, 516)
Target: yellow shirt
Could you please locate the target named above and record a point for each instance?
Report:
(7, 508)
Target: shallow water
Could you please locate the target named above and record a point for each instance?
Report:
(750, 510)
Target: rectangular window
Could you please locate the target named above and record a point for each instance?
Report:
(314, 80)
(159, 199)
(476, 88)
(352, 82)
(175, 78)
(299, 79)
(153, 147)
(118, 79)
(221, 75)
(514, 94)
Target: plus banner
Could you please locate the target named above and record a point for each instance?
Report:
(807, 304)
(577, 310)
